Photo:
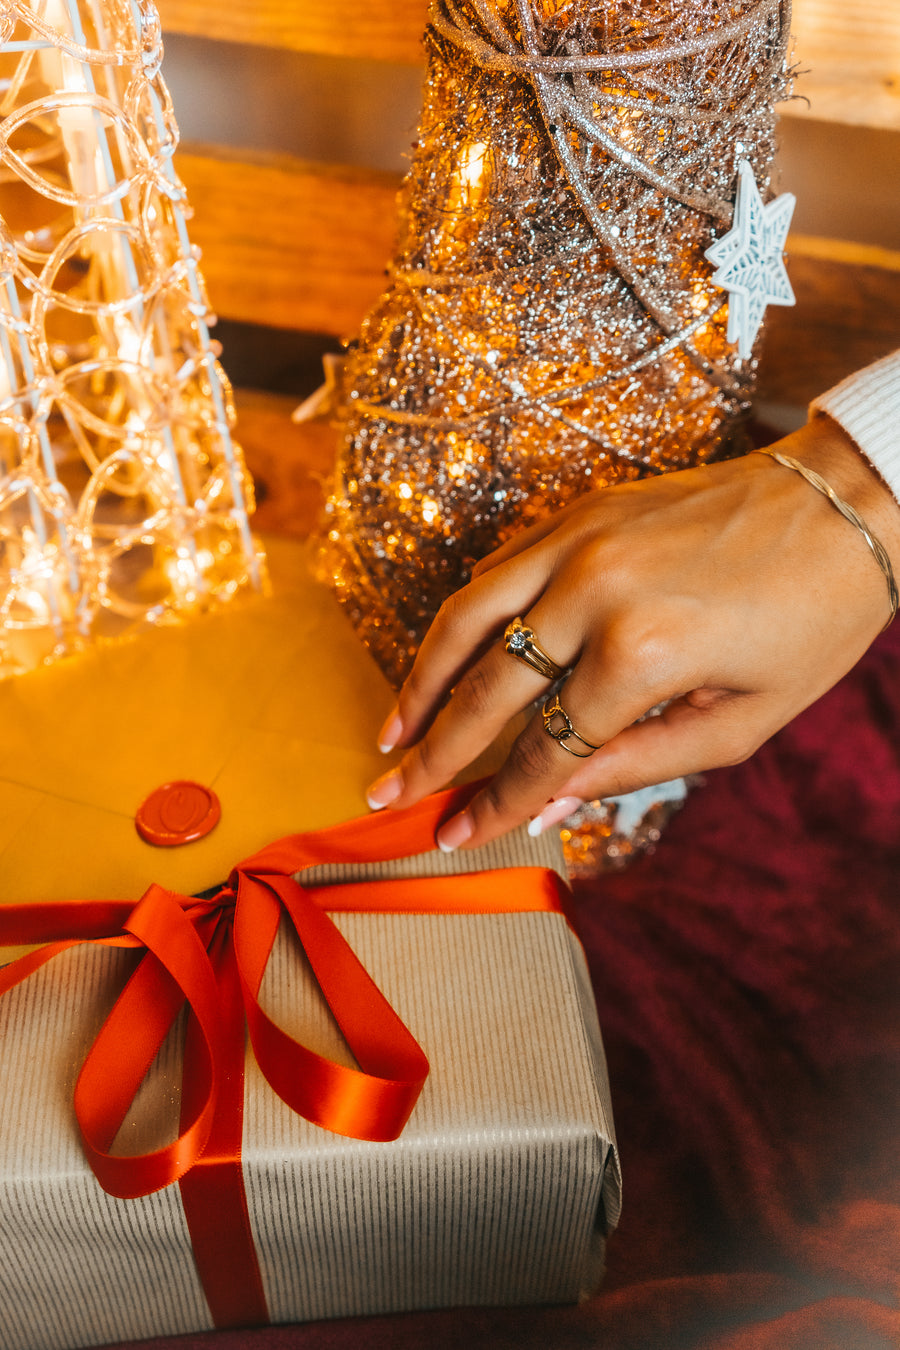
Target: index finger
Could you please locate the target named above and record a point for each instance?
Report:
(464, 629)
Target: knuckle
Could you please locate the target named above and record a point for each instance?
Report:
(610, 557)
(474, 695)
(638, 642)
(526, 765)
(589, 566)
(742, 753)
(621, 782)
(737, 747)
(528, 758)
(490, 800)
(423, 758)
(413, 690)
(452, 619)
(651, 654)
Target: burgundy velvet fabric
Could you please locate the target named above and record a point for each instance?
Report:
(748, 981)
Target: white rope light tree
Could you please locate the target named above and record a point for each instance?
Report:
(123, 496)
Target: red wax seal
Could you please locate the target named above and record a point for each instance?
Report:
(177, 813)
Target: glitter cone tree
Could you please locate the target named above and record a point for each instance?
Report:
(550, 322)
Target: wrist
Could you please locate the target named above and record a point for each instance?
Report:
(867, 406)
(824, 446)
(826, 458)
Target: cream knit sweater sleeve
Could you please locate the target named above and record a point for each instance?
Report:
(867, 406)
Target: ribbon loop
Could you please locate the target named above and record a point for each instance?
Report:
(372, 1102)
(175, 969)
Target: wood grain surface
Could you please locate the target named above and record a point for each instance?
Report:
(391, 31)
(850, 49)
(289, 243)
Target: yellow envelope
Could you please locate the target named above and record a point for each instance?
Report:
(272, 702)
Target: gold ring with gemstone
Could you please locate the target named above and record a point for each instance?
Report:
(521, 643)
(564, 732)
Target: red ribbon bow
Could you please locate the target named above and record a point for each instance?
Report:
(212, 954)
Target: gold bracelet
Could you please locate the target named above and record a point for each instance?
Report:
(818, 482)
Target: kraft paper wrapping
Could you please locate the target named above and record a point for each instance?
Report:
(498, 1191)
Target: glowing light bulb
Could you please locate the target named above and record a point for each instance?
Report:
(471, 164)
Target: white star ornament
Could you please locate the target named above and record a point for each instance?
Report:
(750, 259)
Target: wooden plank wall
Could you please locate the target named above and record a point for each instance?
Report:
(320, 235)
(850, 48)
(850, 53)
(288, 243)
(360, 28)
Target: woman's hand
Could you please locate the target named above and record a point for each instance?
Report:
(734, 594)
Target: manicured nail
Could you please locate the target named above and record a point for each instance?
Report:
(385, 790)
(554, 814)
(455, 832)
(390, 733)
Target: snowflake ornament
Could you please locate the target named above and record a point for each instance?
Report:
(750, 259)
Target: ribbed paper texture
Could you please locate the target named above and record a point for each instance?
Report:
(77, 1267)
(492, 1194)
(515, 849)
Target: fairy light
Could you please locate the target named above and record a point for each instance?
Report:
(471, 168)
(102, 321)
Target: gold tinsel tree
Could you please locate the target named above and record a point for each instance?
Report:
(549, 323)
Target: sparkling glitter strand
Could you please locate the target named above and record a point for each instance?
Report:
(549, 323)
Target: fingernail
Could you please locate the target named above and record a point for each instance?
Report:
(455, 832)
(390, 733)
(385, 790)
(554, 814)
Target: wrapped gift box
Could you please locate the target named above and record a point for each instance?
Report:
(498, 1191)
(503, 1182)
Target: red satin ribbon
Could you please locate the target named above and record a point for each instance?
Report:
(212, 954)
